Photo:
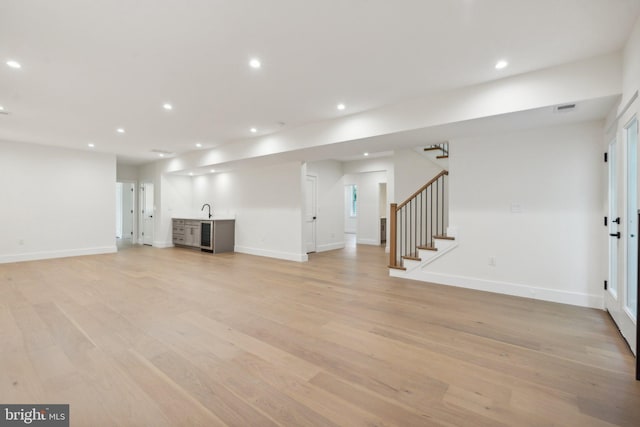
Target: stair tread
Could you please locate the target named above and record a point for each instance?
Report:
(428, 248)
(397, 267)
(442, 157)
(432, 148)
(443, 237)
(412, 258)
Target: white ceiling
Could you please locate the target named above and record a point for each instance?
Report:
(89, 67)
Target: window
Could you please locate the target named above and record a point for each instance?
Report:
(353, 198)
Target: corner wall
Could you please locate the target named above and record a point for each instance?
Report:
(56, 202)
(266, 203)
(532, 200)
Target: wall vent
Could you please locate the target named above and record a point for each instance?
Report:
(565, 108)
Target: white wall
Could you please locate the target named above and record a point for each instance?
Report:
(267, 204)
(127, 173)
(532, 200)
(55, 202)
(631, 65)
(330, 188)
(414, 171)
(176, 202)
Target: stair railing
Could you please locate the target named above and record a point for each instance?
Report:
(414, 222)
(442, 147)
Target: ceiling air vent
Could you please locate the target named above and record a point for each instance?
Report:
(564, 108)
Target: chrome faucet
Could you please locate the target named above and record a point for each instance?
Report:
(209, 206)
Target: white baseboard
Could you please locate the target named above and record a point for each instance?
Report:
(289, 256)
(520, 290)
(35, 256)
(368, 242)
(161, 244)
(330, 247)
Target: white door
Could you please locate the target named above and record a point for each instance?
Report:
(147, 213)
(622, 283)
(631, 282)
(310, 213)
(127, 210)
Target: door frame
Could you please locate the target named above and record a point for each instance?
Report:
(134, 226)
(141, 208)
(311, 242)
(615, 299)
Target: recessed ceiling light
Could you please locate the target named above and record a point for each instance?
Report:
(254, 130)
(14, 64)
(255, 63)
(91, 145)
(1, 108)
(161, 154)
(501, 64)
(366, 154)
(198, 145)
(212, 170)
(167, 106)
(120, 130)
(341, 107)
(190, 173)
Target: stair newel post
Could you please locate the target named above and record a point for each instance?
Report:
(393, 234)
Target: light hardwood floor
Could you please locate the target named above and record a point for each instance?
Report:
(171, 337)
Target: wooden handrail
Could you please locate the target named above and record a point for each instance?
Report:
(392, 234)
(415, 222)
(441, 174)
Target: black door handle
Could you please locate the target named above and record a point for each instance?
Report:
(617, 220)
(615, 234)
(314, 217)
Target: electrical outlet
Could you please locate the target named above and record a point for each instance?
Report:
(492, 261)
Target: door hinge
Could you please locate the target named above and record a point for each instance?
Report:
(606, 222)
(132, 190)
(606, 157)
(605, 285)
(143, 233)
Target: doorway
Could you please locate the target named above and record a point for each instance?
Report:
(382, 211)
(310, 212)
(621, 295)
(351, 209)
(147, 210)
(125, 212)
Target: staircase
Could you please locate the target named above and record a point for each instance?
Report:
(418, 225)
(442, 150)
